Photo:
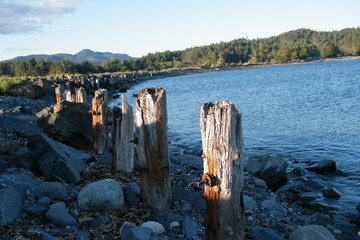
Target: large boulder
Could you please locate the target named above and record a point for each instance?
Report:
(57, 161)
(102, 195)
(271, 169)
(311, 232)
(68, 122)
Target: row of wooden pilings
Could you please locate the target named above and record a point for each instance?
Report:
(223, 154)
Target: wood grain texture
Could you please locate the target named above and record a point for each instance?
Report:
(99, 120)
(223, 154)
(153, 147)
(123, 137)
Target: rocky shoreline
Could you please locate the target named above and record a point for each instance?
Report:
(282, 199)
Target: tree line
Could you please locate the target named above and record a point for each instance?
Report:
(301, 44)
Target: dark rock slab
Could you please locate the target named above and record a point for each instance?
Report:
(10, 204)
(272, 169)
(57, 161)
(323, 166)
(331, 193)
(69, 123)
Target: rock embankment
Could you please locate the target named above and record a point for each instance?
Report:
(52, 190)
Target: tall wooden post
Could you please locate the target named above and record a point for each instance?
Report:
(59, 98)
(223, 154)
(123, 137)
(69, 96)
(80, 95)
(153, 147)
(99, 120)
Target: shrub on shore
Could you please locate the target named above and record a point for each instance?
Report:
(7, 82)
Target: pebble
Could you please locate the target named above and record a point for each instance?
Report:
(174, 224)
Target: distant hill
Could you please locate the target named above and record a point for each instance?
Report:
(83, 55)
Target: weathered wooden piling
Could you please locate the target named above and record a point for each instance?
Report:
(80, 95)
(223, 154)
(153, 147)
(123, 137)
(69, 96)
(59, 98)
(99, 120)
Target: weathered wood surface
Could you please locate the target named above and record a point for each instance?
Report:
(59, 98)
(123, 137)
(80, 95)
(223, 154)
(99, 120)
(153, 147)
(69, 96)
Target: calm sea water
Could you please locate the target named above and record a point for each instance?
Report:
(306, 112)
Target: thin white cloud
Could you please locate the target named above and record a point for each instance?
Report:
(23, 16)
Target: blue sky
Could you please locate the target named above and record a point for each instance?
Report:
(139, 27)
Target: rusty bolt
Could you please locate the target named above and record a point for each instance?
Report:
(207, 179)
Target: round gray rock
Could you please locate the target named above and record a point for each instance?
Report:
(102, 195)
(311, 232)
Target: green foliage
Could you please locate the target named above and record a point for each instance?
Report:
(7, 82)
(295, 45)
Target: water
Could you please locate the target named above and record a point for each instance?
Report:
(306, 112)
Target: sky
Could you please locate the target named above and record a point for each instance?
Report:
(139, 27)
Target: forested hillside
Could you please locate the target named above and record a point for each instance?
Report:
(301, 44)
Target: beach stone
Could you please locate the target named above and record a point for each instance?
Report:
(189, 228)
(324, 166)
(132, 194)
(20, 180)
(57, 161)
(155, 226)
(10, 204)
(68, 122)
(44, 234)
(321, 219)
(331, 193)
(260, 183)
(102, 195)
(273, 206)
(44, 201)
(52, 190)
(261, 233)
(298, 171)
(271, 169)
(194, 198)
(130, 232)
(344, 225)
(312, 232)
(102, 220)
(188, 160)
(36, 211)
(249, 203)
(174, 224)
(59, 215)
